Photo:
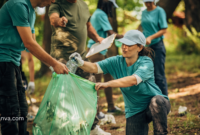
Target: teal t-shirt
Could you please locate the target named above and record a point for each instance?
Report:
(14, 13)
(152, 22)
(136, 98)
(101, 24)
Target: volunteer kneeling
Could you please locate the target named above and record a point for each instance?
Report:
(134, 74)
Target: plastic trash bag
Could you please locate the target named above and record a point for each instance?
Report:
(68, 107)
(109, 119)
(182, 110)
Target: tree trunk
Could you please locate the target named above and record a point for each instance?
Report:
(46, 43)
(113, 50)
(169, 6)
(192, 14)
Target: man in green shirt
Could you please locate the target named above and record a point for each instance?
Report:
(17, 18)
(70, 29)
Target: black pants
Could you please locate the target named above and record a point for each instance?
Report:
(159, 66)
(13, 104)
(157, 112)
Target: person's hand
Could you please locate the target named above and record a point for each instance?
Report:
(100, 39)
(75, 54)
(31, 87)
(62, 22)
(148, 40)
(101, 86)
(78, 58)
(60, 68)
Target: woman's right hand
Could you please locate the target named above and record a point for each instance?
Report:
(99, 86)
(78, 58)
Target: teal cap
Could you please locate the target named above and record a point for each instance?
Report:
(133, 37)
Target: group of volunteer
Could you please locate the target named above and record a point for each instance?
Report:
(138, 72)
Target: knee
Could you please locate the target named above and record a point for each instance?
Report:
(156, 101)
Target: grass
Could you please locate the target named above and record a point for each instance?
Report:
(177, 64)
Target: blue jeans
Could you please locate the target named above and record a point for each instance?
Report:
(157, 112)
(13, 102)
(159, 66)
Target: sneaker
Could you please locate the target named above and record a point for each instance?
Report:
(116, 110)
(30, 117)
(101, 115)
(98, 131)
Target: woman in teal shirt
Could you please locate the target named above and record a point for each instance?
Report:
(134, 74)
(101, 24)
(154, 25)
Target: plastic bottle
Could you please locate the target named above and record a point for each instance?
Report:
(72, 65)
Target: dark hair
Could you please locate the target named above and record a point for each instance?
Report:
(146, 51)
(106, 6)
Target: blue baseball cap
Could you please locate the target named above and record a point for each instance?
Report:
(148, 0)
(133, 37)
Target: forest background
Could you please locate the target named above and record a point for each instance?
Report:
(182, 68)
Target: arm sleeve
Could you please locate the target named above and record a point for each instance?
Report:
(19, 14)
(107, 65)
(32, 27)
(145, 70)
(162, 19)
(99, 69)
(139, 80)
(104, 22)
(54, 8)
(33, 31)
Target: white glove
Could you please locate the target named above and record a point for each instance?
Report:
(31, 87)
(78, 58)
(51, 68)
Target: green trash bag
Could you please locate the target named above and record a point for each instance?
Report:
(68, 107)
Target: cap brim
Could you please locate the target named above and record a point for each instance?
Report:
(115, 5)
(126, 41)
(148, 0)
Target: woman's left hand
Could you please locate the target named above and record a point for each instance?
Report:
(101, 86)
(148, 40)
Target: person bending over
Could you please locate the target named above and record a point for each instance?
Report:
(134, 74)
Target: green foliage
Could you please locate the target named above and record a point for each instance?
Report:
(187, 46)
(124, 12)
(92, 4)
(130, 5)
(39, 28)
(190, 43)
(180, 63)
(181, 6)
(182, 41)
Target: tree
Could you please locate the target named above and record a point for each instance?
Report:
(169, 6)
(192, 14)
(46, 43)
(113, 50)
(192, 10)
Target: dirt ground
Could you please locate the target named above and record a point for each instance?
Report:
(183, 90)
